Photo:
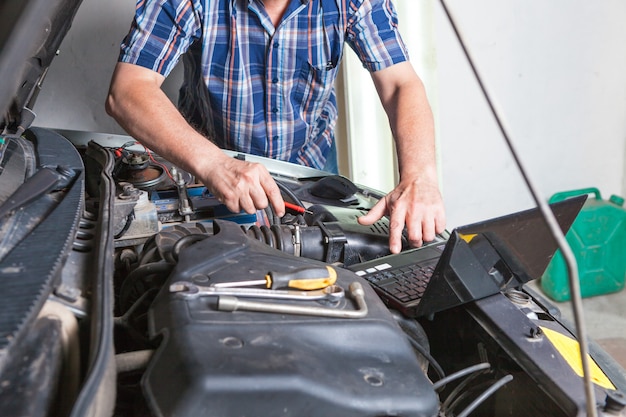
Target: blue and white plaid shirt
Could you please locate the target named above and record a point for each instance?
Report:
(255, 88)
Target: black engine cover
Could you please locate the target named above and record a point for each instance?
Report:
(258, 364)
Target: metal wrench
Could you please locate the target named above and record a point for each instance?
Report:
(229, 303)
(190, 290)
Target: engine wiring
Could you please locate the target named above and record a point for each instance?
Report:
(167, 171)
(122, 151)
(458, 392)
(462, 392)
(484, 395)
(127, 223)
(289, 193)
(431, 360)
(418, 339)
(463, 372)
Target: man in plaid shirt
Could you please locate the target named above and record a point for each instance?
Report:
(259, 78)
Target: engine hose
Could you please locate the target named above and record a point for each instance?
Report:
(307, 242)
(140, 280)
(254, 232)
(184, 242)
(276, 231)
(269, 236)
(133, 361)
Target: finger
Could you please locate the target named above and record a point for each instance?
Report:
(440, 222)
(231, 204)
(428, 229)
(396, 227)
(415, 236)
(257, 197)
(273, 194)
(375, 213)
(229, 199)
(247, 204)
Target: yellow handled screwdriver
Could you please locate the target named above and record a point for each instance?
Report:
(309, 278)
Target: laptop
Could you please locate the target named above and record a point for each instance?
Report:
(475, 261)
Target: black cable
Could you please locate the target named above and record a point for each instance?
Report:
(271, 217)
(131, 289)
(474, 368)
(418, 339)
(436, 367)
(449, 410)
(185, 242)
(413, 327)
(149, 269)
(129, 221)
(286, 190)
(124, 321)
(452, 399)
(149, 253)
(299, 219)
(486, 394)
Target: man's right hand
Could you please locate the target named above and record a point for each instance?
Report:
(242, 185)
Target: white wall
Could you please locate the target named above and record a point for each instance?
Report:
(557, 70)
(76, 86)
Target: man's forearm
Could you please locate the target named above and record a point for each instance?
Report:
(140, 106)
(414, 136)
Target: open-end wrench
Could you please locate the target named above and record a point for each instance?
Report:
(230, 303)
(190, 290)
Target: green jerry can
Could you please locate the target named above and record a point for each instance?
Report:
(598, 240)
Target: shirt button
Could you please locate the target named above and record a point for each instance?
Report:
(275, 110)
(274, 80)
(276, 44)
(275, 138)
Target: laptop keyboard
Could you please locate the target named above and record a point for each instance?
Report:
(406, 283)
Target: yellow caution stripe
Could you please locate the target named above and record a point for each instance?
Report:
(569, 349)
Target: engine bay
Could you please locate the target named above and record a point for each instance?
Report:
(143, 280)
(310, 355)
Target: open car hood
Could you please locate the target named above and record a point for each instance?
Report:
(30, 34)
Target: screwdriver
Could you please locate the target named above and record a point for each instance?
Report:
(309, 278)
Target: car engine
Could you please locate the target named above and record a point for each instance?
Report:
(122, 296)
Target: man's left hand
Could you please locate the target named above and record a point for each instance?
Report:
(414, 204)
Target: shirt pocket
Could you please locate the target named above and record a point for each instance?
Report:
(314, 87)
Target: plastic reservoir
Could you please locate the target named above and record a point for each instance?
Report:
(598, 241)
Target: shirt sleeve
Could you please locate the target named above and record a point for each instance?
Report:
(372, 32)
(161, 31)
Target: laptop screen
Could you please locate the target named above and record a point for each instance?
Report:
(523, 240)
